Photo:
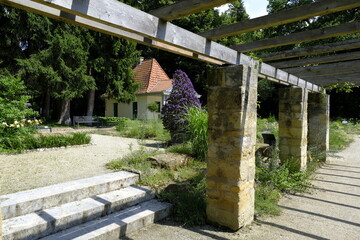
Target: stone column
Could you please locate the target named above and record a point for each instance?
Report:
(232, 100)
(293, 126)
(318, 130)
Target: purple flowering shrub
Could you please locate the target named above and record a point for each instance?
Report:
(182, 97)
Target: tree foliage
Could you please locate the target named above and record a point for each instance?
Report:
(13, 99)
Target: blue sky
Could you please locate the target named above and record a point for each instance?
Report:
(255, 8)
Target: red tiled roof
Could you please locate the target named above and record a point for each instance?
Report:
(152, 77)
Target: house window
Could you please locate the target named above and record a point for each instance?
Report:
(115, 108)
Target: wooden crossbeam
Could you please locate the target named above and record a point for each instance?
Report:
(334, 77)
(328, 82)
(119, 15)
(330, 72)
(186, 7)
(325, 67)
(318, 60)
(283, 17)
(93, 25)
(313, 50)
(299, 37)
(142, 27)
(271, 73)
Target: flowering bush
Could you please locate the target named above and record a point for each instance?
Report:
(182, 97)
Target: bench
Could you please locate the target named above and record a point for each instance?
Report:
(84, 119)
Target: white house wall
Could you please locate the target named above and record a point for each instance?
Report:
(126, 110)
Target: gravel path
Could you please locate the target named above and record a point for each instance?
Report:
(36, 169)
(331, 211)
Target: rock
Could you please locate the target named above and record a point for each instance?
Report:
(170, 161)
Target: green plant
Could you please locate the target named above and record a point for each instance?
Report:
(154, 107)
(197, 119)
(113, 121)
(339, 138)
(183, 148)
(25, 141)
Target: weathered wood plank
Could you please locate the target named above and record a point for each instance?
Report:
(119, 15)
(334, 76)
(93, 25)
(283, 17)
(111, 15)
(186, 7)
(325, 67)
(330, 82)
(330, 72)
(299, 37)
(318, 60)
(313, 50)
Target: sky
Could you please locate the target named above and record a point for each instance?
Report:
(255, 8)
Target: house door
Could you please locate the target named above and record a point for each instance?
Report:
(135, 110)
(116, 113)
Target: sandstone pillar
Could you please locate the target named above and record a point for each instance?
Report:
(232, 100)
(293, 126)
(318, 130)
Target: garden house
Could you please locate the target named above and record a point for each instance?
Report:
(155, 88)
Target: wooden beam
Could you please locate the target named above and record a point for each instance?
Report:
(119, 15)
(325, 67)
(330, 72)
(318, 60)
(325, 83)
(93, 25)
(300, 37)
(269, 72)
(313, 50)
(334, 77)
(186, 7)
(283, 17)
(112, 14)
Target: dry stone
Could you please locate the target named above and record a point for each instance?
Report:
(170, 161)
(232, 136)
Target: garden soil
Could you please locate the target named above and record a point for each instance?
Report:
(41, 168)
(330, 211)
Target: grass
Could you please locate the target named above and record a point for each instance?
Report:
(143, 129)
(341, 134)
(16, 144)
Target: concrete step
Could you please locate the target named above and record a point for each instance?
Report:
(117, 224)
(22, 203)
(48, 221)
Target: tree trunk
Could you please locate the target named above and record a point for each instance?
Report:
(65, 113)
(91, 102)
(46, 112)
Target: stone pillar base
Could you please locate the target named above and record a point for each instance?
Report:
(293, 126)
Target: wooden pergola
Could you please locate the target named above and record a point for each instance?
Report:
(233, 90)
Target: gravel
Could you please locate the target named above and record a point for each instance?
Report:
(41, 168)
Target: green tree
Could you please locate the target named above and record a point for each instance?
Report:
(13, 99)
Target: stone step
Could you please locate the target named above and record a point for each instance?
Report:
(22, 203)
(49, 221)
(117, 224)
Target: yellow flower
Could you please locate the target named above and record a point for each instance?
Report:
(12, 125)
(16, 122)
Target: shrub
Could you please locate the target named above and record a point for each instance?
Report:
(13, 100)
(182, 97)
(197, 120)
(113, 121)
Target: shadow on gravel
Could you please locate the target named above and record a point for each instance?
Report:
(322, 216)
(301, 233)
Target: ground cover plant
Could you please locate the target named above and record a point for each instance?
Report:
(27, 141)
